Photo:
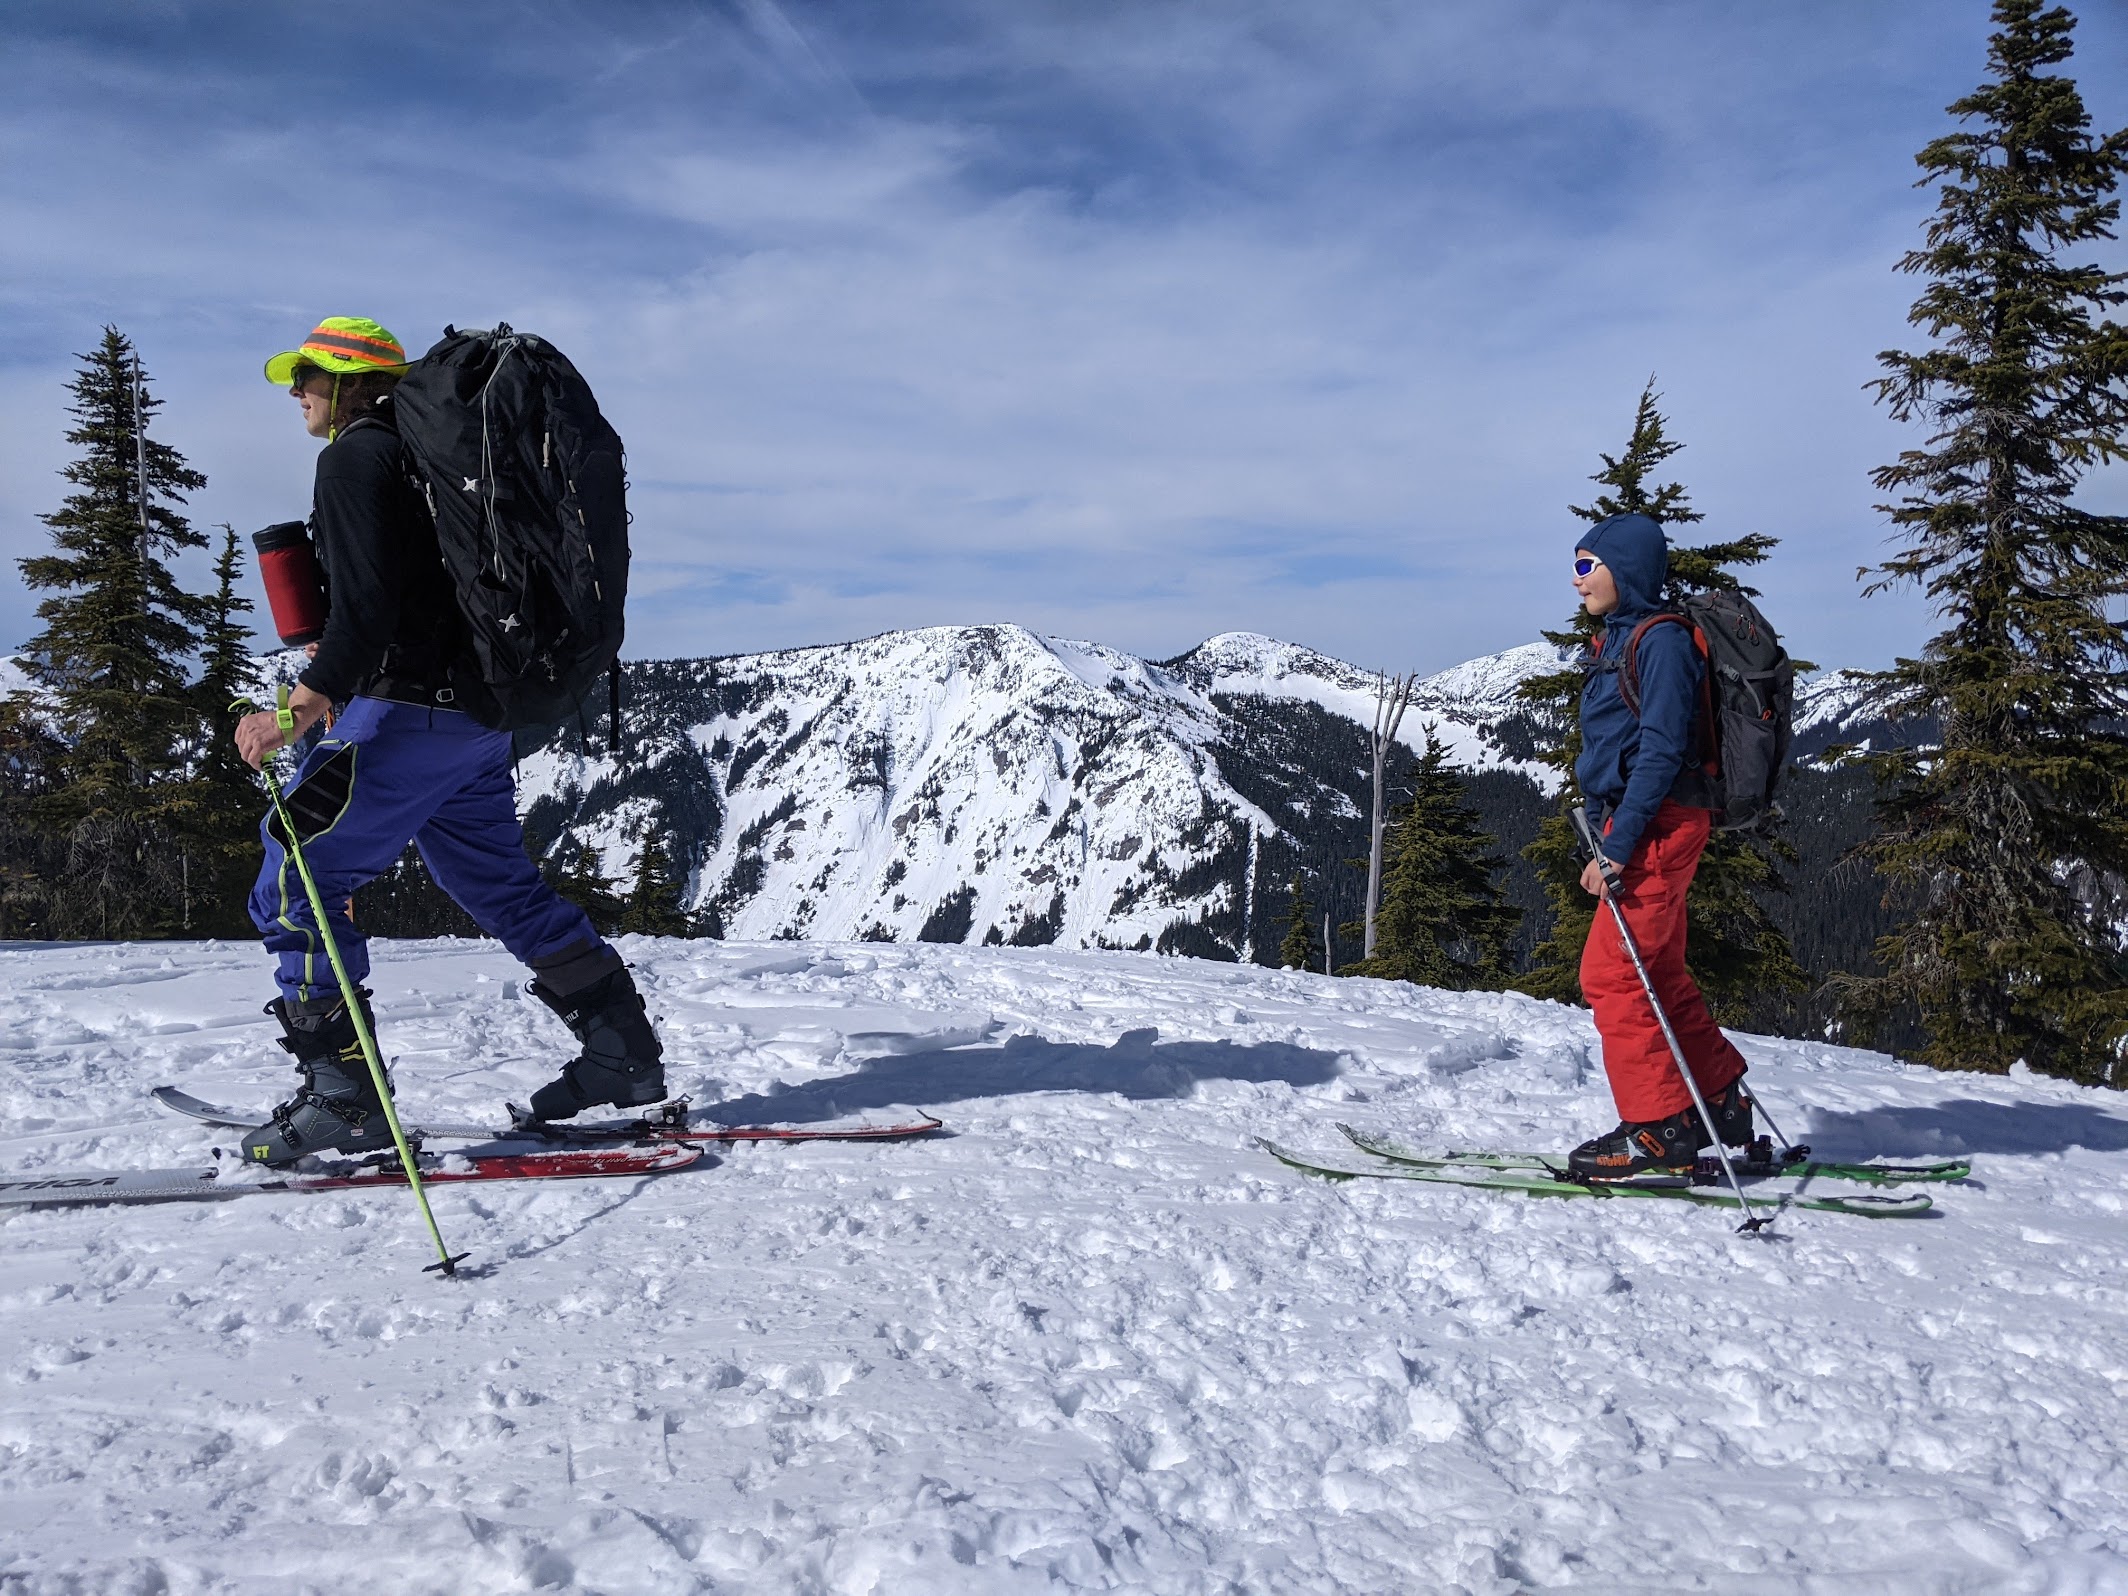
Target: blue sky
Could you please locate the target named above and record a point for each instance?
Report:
(1135, 321)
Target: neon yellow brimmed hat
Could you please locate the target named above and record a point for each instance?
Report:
(341, 344)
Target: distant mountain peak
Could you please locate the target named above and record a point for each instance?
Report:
(972, 783)
(990, 783)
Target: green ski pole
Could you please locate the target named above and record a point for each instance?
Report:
(445, 1263)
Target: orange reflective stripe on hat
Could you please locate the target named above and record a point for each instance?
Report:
(340, 344)
(376, 351)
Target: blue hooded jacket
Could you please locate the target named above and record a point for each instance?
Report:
(1629, 764)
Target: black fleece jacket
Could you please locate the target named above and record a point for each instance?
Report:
(391, 620)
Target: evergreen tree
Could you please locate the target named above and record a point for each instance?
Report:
(2011, 833)
(1736, 953)
(226, 669)
(574, 871)
(1442, 921)
(406, 902)
(1303, 947)
(31, 858)
(652, 906)
(112, 658)
(220, 822)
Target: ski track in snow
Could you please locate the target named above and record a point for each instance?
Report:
(1092, 1341)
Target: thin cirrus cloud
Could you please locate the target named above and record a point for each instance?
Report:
(1132, 321)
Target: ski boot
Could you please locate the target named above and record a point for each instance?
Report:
(336, 1110)
(622, 1062)
(1731, 1108)
(1660, 1149)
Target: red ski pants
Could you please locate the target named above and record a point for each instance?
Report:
(1644, 1077)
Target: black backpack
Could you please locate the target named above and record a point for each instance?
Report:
(1747, 701)
(524, 478)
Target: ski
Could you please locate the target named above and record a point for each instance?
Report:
(233, 1179)
(183, 1102)
(1801, 1167)
(1868, 1205)
(667, 1123)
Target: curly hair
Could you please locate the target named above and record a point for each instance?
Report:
(359, 392)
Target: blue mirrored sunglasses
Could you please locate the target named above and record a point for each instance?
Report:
(1583, 566)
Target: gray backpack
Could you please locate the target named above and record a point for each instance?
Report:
(1747, 701)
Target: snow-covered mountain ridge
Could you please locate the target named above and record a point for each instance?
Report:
(986, 783)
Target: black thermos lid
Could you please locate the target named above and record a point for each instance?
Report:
(279, 536)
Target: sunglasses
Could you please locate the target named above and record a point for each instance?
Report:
(1582, 567)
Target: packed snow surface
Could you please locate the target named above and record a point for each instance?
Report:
(1093, 1340)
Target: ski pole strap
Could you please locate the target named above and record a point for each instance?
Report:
(283, 716)
(1580, 817)
(1613, 877)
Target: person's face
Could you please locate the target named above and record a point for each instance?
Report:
(313, 390)
(1599, 589)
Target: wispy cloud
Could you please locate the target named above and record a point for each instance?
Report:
(1132, 321)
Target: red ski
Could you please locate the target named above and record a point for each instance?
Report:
(666, 1123)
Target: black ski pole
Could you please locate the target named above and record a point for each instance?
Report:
(1612, 882)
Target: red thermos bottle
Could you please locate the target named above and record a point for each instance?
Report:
(295, 587)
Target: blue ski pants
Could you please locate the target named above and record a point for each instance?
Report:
(386, 774)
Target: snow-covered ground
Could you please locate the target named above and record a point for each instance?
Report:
(1093, 1340)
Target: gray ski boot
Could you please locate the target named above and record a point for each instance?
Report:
(623, 1063)
(336, 1110)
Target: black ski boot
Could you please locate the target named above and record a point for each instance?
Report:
(623, 1063)
(1731, 1108)
(1659, 1148)
(336, 1110)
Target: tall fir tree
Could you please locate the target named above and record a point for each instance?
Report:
(575, 871)
(112, 657)
(220, 820)
(652, 906)
(31, 857)
(2011, 831)
(1735, 951)
(1303, 947)
(1443, 921)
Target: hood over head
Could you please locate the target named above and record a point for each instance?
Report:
(1633, 548)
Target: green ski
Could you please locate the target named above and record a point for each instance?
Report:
(1867, 1205)
(1871, 1174)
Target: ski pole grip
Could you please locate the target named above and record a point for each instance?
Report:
(295, 586)
(1580, 817)
(1611, 875)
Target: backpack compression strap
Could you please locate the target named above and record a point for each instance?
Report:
(1629, 685)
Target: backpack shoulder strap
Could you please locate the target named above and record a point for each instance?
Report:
(1709, 729)
(1629, 661)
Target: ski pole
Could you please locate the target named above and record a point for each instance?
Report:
(445, 1263)
(1612, 882)
(1790, 1151)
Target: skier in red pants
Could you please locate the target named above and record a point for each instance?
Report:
(1642, 774)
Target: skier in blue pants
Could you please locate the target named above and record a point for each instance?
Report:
(400, 764)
